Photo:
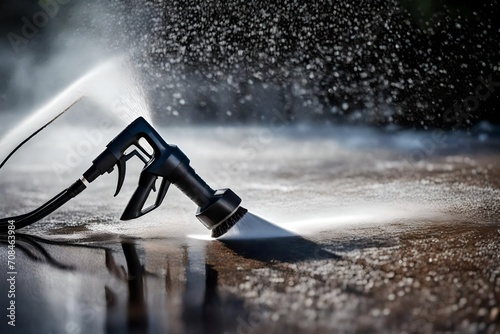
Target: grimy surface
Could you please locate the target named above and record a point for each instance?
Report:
(387, 232)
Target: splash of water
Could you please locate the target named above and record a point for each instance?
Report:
(251, 227)
(117, 89)
(112, 85)
(254, 227)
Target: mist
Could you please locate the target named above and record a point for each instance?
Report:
(378, 63)
(72, 40)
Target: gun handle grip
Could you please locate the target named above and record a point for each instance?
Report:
(135, 206)
(162, 191)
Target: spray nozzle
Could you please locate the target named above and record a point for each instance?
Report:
(170, 164)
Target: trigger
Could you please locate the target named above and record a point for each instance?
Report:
(121, 174)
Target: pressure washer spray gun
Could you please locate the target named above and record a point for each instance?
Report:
(218, 210)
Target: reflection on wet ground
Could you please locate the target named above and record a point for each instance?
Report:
(289, 284)
(141, 286)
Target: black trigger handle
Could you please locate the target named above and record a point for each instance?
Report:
(121, 164)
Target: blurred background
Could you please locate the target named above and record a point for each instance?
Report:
(394, 63)
(408, 217)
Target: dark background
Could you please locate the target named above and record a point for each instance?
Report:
(405, 63)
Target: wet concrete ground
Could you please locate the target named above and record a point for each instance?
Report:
(396, 232)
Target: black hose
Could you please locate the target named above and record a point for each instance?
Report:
(35, 133)
(43, 211)
(52, 205)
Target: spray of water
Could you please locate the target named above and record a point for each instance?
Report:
(255, 227)
(251, 227)
(116, 88)
(112, 85)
